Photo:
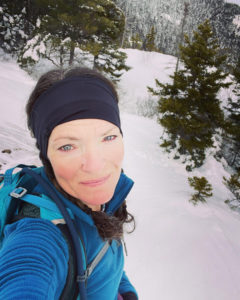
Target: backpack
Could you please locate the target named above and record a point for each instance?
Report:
(16, 202)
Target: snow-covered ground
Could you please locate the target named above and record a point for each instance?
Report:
(178, 251)
(233, 1)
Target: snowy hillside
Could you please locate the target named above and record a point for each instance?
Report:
(233, 1)
(178, 251)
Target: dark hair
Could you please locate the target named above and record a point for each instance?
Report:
(109, 227)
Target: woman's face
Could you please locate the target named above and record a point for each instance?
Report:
(86, 156)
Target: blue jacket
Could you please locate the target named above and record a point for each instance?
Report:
(34, 256)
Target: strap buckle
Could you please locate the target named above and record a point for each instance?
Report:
(18, 192)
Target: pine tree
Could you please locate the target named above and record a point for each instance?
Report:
(72, 25)
(127, 43)
(18, 21)
(136, 42)
(189, 107)
(202, 187)
(12, 35)
(233, 184)
(232, 124)
(112, 62)
(149, 43)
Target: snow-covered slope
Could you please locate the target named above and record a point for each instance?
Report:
(178, 251)
(233, 1)
(145, 67)
(15, 87)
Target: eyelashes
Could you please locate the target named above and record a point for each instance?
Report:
(69, 147)
(65, 148)
(110, 138)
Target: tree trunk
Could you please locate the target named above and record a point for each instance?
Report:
(95, 62)
(61, 56)
(71, 54)
(27, 19)
(124, 33)
(234, 159)
(186, 5)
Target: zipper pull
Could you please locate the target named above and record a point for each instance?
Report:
(124, 246)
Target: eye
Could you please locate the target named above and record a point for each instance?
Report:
(65, 148)
(110, 138)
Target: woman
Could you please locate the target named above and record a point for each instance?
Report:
(75, 119)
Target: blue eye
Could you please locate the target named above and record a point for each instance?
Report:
(110, 138)
(66, 148)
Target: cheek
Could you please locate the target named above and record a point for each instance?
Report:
(63, 170)
(116, 156)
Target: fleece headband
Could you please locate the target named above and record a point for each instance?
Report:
(79, 97)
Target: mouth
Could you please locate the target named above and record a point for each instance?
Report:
(95, 182)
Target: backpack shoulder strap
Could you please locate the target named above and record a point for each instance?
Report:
(8, 205)
(70, 290)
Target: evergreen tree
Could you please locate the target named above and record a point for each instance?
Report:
(233, 184)
(136, 42)
(189, 107)
(232, 124)
(72, 25)
(18, 21)
(127, 43)
(149, 43)
(12, 35)
(202, 187)
(112, 62)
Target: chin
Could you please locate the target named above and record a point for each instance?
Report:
(99, 199)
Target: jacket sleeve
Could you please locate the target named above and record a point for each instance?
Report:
(33, 261)
(126, 289)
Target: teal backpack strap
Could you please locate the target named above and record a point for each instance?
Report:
(8, 205)
(70, 290)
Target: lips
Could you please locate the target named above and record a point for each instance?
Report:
(95, 182)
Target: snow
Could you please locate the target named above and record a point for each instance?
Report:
(38, 23)
(66, 40)
(146, 66)
(178, 251)
(22, 33)
(236, 21)
(169, 18)
(34, 47)
(11, 20)
(233, 1)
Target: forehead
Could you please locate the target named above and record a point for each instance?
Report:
(83, 126)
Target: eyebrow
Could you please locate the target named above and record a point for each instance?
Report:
(73, 138)
(109, 130)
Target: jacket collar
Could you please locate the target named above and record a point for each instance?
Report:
(123, 188)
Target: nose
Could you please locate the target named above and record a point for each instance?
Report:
(92, 160)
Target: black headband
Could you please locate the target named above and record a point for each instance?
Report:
(79, 97)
